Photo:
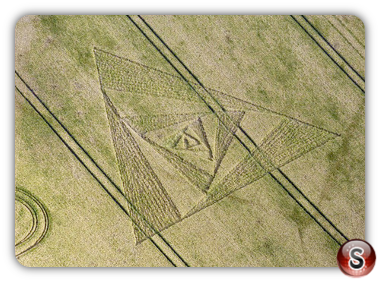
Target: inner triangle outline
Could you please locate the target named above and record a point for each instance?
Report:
(187, 141)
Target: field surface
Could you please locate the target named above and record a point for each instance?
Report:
(201, 141)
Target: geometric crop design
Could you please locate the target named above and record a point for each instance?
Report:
(141, 185)
(159, 125)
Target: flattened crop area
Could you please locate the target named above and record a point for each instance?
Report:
(189, 140)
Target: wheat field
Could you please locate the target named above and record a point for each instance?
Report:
(201, 141)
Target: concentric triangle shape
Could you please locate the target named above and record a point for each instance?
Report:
(188, 140)
(193, 173)
(166, 113)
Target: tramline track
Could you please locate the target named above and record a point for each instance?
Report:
(94, 169)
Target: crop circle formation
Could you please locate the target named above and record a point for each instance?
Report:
(31, 221)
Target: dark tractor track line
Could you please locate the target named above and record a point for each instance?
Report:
(156, 232)
(332, 47)
(331, 58)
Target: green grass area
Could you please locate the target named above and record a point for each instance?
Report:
(234, 147)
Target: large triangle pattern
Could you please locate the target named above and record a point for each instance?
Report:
(289, 140)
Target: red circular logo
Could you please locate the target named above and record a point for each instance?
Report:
(356, 258)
